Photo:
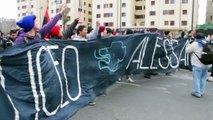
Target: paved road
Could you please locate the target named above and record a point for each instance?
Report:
(160, 98)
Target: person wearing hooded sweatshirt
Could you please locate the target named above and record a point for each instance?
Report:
(199, 70)
(30, 29)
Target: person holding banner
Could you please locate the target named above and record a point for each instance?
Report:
(69, 32)
(210, 79)
(82, 34)
(199, 70)
(30, 29)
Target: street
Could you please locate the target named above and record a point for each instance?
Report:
(160, 98)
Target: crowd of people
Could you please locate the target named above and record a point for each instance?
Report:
(31, 32)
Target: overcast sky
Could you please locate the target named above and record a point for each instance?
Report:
(8, 9)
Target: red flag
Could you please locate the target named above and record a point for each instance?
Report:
(46, 17)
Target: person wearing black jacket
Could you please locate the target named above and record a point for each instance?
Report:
(70, 30)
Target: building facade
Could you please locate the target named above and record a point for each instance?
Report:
(171, 14)
(38, 8)
(119, 14)
(209, 12)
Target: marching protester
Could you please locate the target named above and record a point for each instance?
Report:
(82, 34)
(199, 70)
(30, 29)
(55, 33)
(108, 32)
(210, 79)
(69, 32)
(129, 79)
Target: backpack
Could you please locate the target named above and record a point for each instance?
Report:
(207, 53)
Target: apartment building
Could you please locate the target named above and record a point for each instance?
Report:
(171, 14)
(119, 14)
(38, 7)
(209, 12)
(140, 13)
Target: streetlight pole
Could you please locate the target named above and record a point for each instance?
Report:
(192, 24)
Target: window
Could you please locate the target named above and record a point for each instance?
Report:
(166, 23)
(98, 6)
(108, 14)
(152, 2)
(172, 2)
(89, 20)
(108, 24)
(98, 15)
(139, 16)
(142, 23)
(110, 5)
(152, 13)
(85, 3)
(67, 1)
(166, 1)
(183, 23)
(23, 14)
(138, 7)
(123, 23)
(89, 5)
(24, 7)
(18, 8)
(105, 5)
(168, 12)
(52, 11)
(172, 23)
(89, 12)
(184, 1)
(211, 17)
(32, 6)
(152, 23)
(123, 4)
(123, 14)
(18, 1)
(184, 12)
(169, 1)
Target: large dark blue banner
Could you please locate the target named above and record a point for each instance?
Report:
(53, 79)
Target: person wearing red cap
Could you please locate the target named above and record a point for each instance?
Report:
(55, 33)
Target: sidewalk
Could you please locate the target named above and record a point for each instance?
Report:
(160, 98)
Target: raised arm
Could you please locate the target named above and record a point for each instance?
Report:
(47, 28)
(69, 31)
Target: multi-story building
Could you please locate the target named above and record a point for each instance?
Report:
(38, 7)
(119, 13)
(171, 14)
(140, 13)
(209, 12)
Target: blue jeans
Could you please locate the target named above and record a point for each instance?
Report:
(199, 79)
